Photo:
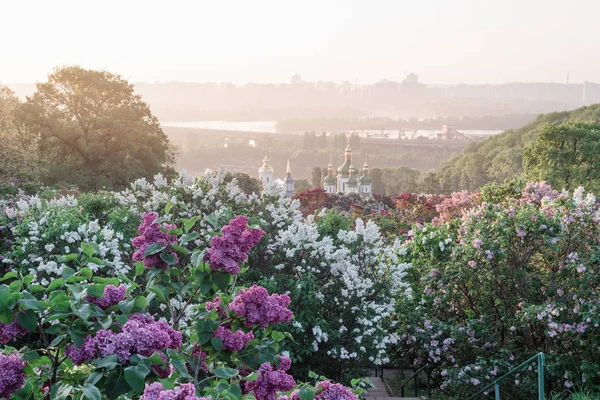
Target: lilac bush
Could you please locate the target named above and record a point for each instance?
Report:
(176, 325)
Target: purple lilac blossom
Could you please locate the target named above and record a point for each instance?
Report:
(233, 341)
(112, 295)
(9, 331)
(140, 335)
(156, 391)
(271, 381)
(83, 354)
(12, 377)
(232, 247)
(333, 391)
(256, 306)
(150, 233)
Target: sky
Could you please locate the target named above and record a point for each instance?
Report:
(442, 41)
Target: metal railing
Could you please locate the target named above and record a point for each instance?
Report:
(541, 362)
(413, 377)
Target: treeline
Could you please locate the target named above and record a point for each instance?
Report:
(488, 122)
(553, 144)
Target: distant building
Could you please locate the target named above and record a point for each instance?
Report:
(289, 181)
(296, 79)
(347, 181)
(266, 174)
(411, 79)
(450, 133)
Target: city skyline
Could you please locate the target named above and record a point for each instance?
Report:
(444, 42)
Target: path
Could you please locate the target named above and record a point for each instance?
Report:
(379, 392)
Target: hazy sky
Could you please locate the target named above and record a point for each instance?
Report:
(443, 41)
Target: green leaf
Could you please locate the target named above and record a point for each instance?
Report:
(87, 249)
(168, 258)
(108, 362)
(197, 257)
(169, 207)
(83, 312)
(86, 273)
(180, 367)
(4, 296)
(153, 249)
(126, 306)
(55, 284)
(216, 343)
(28, 320)
(9, 275)
(159, 292)
(139, 268)
(16, 286)
(252, 377)
(221, 279)
(60, 391)
(27, 279)
(181, 249)
(135, 376)
(96, 290)
(189, 224)
(57, 340)
(213, 220)
(91, 392)
(28, 301)
(189, 237)
(68, 272)
(6, 316)
(306, 393)
(68, 257)
(226, 373)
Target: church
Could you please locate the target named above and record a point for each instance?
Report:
(346, 181)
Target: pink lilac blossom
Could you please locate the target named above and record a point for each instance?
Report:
(233, 341)
(271, 381)
(156, 391)
(10, 331)
(150, 233)
(12, 377)
(534, 192)
(112, 295)
(333, 391)
(232, 247)
(256, 306)
(216, 305)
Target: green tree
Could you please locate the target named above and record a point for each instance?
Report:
(18, 158)
(400, 180)
(377, 185)
(94, 131)
(317, 177)
(565, 155)
(301, 185)
(245, 182)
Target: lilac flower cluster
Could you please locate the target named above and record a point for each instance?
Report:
(256, 306)
(9, 331)
(216, 305)
(112, 295)
(271, 381)
(333, 391)
(140, 335)
(232, 247)
(156, 391)
(150, 233)
(12, 377)
(233, 341)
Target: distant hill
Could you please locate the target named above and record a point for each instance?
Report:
(500, 156)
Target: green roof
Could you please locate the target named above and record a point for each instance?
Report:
(330, 180)
(365, 180)
(352, 181)
(344, 169)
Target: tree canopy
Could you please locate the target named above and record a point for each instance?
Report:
(565, 155)
(93, 130)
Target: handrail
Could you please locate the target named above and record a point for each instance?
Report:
(414, 378)
(496, 383)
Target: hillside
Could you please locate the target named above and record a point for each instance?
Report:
(500, 157)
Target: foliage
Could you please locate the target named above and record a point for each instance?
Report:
(502, 281)
(90, 129)
(566, 155)
(72, 244)
(501, 156)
